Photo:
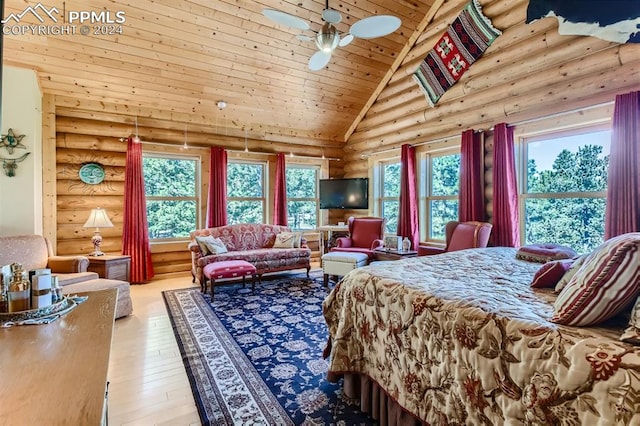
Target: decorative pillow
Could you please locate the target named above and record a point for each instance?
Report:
(551, 273)
(216, 246)
(632, 333)
(605, 284)
(543, 253)
(287, 240)
(202, 242)
(577, 264)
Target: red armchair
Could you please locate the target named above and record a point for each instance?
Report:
(460, 236)
(365, 235)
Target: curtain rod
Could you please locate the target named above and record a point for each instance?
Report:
(518, 123)
(234, 150)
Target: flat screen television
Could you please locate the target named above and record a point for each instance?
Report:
(350, 193)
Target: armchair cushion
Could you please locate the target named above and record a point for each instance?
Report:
(68, 264)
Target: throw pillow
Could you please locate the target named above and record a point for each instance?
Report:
(604, 285)
(287, 240)
(543, 253)
(632, 333)
(202, 242)
(216, 246)
(551, 273)
(575, 267)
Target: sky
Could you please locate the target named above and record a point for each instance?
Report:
(545, 152)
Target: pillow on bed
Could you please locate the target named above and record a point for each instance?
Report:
(543, 253)
(577, 264)
(605, 284)
(551, 273)
(632, 333)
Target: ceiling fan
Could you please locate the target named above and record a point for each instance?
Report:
(329, 38)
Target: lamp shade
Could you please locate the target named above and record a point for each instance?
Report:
(98, 219)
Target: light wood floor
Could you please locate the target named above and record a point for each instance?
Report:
(148, 383)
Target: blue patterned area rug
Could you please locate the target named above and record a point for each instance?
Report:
(255, 357)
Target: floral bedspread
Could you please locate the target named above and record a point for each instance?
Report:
(461, 338)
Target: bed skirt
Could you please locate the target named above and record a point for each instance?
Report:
(376, 402)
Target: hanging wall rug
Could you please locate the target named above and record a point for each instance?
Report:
(465, 40)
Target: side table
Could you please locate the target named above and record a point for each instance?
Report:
(113, 267)
(383, 254)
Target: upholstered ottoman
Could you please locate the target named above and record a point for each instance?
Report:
(341, 262)
(124, 306)
(227, 269)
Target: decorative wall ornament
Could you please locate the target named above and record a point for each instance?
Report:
(91, 173)
(465, 40)
(11, 141)
(11, 164)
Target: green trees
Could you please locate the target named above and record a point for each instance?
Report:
(391, 195)
(245, 193)
(302, 207)
(445, 184)
(566, 204)
(170, 188)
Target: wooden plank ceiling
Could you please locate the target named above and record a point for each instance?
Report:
(177, 58)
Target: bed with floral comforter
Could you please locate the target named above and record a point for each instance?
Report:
(461, 338)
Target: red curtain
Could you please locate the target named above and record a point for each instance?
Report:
(622, 213)
(505, 190)
(280, 202)
(471, 198)
(135, 232)
(217, 200)
(408, 210)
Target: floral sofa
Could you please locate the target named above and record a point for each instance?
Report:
(35, 252)
(253, 243)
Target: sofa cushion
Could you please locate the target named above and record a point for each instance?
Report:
(287, 240)
(256, 256)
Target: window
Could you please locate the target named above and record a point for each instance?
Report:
(170, 186)
(565, 188)
(389, 201)
(246, 192)
(302, 196)
(441, 194)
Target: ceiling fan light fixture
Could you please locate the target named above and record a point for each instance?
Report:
(328, 38)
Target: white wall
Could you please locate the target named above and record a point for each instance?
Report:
(21, 195)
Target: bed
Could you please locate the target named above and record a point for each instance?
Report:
(462, 338)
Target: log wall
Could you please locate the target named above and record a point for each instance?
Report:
(529, 72)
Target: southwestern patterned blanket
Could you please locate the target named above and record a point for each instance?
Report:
(461, 338)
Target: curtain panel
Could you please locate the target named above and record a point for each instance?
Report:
(505, 189)
(622, 214)
(280, 202)
(408, 210)
(217, 197)
(135, 232)
(471, 198)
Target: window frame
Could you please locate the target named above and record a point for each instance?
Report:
(197, 191)
(315, 199)
(523, 175)
(426, 197)
(379, 196)
(265, 189)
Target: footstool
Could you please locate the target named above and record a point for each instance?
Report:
(124, 306)
(341, 262)
(227, 269)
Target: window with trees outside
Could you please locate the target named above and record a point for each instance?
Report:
(302, 196)
(564, 188)
(246, 192)
(389, 201)
(440, 200)
(170, 186)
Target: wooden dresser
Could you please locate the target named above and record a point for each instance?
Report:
(56, 374)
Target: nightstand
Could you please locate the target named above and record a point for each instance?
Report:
(384, 254)
(113, 267)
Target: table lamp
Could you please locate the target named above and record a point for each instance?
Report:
(97, 219)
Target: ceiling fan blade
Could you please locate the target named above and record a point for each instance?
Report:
(375, 26)
(319, 60)
(286, 19)
(331, 16)
(345, 40)
(304, 37)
